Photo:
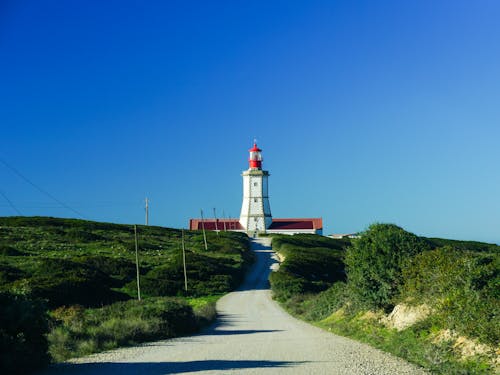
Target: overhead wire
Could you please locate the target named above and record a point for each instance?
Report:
(10, 203)
(40, 189)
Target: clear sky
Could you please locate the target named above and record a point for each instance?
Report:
(366, 111)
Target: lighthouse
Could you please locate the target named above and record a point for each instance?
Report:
(255, 213)
(255, 216)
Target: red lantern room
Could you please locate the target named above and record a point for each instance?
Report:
(255, 159)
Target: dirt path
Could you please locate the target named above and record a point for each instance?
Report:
(253, 336)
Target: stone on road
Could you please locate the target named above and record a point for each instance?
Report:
(252, 335)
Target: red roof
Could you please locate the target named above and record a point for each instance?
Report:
(298, 223)
(277, 224)
(210, 224)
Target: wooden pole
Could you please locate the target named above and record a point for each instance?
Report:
(216, 226)
(204, 234)
(184, 262)
(137, 263)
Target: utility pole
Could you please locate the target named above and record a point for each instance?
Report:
(147, 211)
(204, 234)
(184, 262)
(137, 263)
(216, 227)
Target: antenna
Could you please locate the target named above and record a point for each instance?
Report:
(147, 211)
(224, 220)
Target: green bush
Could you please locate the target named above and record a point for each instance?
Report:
(82, 235)
(81, 332)
(63, 282)
(309, 241)
(322, 305)
(463, 286)
(9, 274)
(285, 285)
(23, 326)
(319, 266)
(120, 269)
(9, 250)
(461, 245)
(306, 268)
(375, 261)
(206, 275)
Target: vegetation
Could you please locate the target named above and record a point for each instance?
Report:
(386, 267)
(312, 264)
(85, 273)
(462, 287)
(375, 261)
(23, 328)
(81, 331)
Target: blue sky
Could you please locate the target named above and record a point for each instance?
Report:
(366, 111)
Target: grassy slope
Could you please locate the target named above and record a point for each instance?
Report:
(71, 261)
(88, 264)
(333, 308)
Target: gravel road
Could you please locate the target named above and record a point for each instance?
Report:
(253, 335)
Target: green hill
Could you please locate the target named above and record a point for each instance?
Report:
(83, 273)
(432, 301)
(67, 261)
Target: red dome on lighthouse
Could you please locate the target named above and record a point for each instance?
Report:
(255, 159)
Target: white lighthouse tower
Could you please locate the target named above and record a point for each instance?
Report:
(255, 210)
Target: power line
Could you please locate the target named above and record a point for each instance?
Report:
(40, 189)
(10, 203)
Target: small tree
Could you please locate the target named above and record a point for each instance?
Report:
(374, 263)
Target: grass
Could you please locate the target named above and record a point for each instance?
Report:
(67, 261)
(85, 273)
(414, 344)
(78, 331)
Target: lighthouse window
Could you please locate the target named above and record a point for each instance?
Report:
(255, 199)
(255, 184)
(255, 156)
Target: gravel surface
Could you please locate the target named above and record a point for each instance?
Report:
(253, 335)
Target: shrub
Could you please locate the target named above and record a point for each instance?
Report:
(82, 235)
(7, 250)
(23, 325)
(63, 282)
(325, 303)
(121, 269)
(9, 274)
(463, 287)
(462, 245)
(81, 332)
(206, 275)
(205, 314)
(374, 263)
(285, 285)
(307, 268)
